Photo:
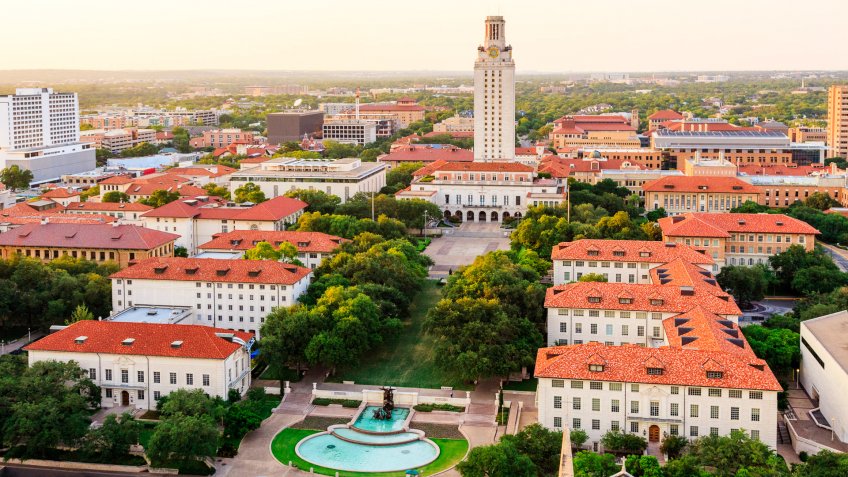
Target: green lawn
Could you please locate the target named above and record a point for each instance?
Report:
(451, 452)
(526, 385)
(407, 360)
(283, 374)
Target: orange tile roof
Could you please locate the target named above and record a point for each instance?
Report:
(645, 297)
(247, 239)
(60, 193)
(59, 219)
(274, 209)
(784, 169)
(86, 236)
(150, 339)
(700, 224)
(700, 329)
(214, 270)
(423, 153)
(628, 251)
(117, 180)
(700, 184)
(108, 206)
(216, 171)
(481, 167)
(665, 114)
(24, 209)
(628, 363)
(560, 167)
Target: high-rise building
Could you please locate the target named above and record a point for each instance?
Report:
(292, 125)
(494, 96)
(837, 120)
(39, 131)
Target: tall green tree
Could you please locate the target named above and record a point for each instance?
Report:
(318, 200)
(115, 196)
(112, 440)
(496, 461)
(160, 197)
(181, 439)
(746, 284)
(15, 178)
(249, 192)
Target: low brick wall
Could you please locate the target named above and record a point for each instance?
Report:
(58, 464)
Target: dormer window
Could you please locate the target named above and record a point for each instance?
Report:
(596, 368)
(593, 253)
(594, 299)
(656, 301)
(618, 253)
(715, 374)
(655, 371)
(625, 301)
(644, 254)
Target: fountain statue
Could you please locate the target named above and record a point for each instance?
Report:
(385, 412)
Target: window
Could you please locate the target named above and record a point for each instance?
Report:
(578, 327)
(634, 388)
(634, 407)
(92, 374)
(557, 402)
(714, 431)
(675, 390)
(634, 427)
(108, 393)
(593, 328)
(206, 380)
(141, 394)
(577, 385)
(713, 412)
(575, 423)
(563, 327)
(156, 377)
(596, 368)
(693, 410)
(625, 330)
(693, 431)
(557, 422)
(108, 375)
(714, 392)
(714, 374)
(674, 429)
(614, 425)
(655, 408)
(557, 383)
(596, 405)
(755, 435)
(173, 377)
(734, 413)
(575, 404)
(596, 424)
(189, 379)
(735, 393)
(694, 391)
(141, 376)
(655, 371)
(755, 415)
(640, 331)
(596, 385)
(156, 395)
(674, 409)
(615, 387)
(615, 405)
(755, 395)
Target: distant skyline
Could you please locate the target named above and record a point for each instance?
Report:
(553, 36)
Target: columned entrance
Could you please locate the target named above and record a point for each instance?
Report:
(654, 433)
(125, 398)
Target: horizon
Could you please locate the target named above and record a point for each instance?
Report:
(552, 38)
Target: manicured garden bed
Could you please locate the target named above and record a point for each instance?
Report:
(438, 407)
(344, 402)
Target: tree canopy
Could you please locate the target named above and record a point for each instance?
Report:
(249, 192)
(160, 197)
(15, 178)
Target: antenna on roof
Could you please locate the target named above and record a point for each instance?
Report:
(357, 103)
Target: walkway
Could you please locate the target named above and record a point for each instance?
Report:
(839, 256)
(461, 245)
(19, 343)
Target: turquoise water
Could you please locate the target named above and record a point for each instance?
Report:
(364, 438)
(366, 420)
(327, 450)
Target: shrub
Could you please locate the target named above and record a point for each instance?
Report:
(344, 402)
(438, 407)
(803, 456)
(578, 438)
(620, 442)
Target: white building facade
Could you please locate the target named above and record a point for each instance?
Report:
(135, 364)
(494, 96)
(39, 131)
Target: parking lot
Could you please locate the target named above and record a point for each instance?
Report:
(461, 245)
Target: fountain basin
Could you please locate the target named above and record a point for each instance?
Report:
(366, 422)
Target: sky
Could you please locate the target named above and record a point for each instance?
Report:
(430, 35)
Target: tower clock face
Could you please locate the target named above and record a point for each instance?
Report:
(494, 52)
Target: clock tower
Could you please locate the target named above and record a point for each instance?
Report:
(494, 96)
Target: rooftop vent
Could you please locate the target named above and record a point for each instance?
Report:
(702, 187)
(741, 222)
(80, 339)
(736, 187)
(687, 291)
(152, 312)
(222, 272)
(253, 273)
(160, 269)
(779, 222)
(669, 186)
(737, 342)
(176, 344)
(191, 271)
(726, 323)
(687, 339)
(128, 342)
(670, 244)
(731, 332)
(684, 330)
(680, 321)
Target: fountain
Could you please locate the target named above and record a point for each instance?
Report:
(385, 413)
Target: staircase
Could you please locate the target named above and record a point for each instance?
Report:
(783, 433)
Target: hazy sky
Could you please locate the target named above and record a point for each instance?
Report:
(547, 35)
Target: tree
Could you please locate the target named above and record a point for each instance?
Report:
(656, 215)
(779, 347)
(478, 339)
(823, 464)
(370, 154)
(318, 200)
(101, 156)
(806, 272)
(115, 196)
(541, 445)
(89, 193)
(14, 178)
(217, 190)
(673, 445)
(400, 176)
(81, 312)
(263, 251)
(737, 451)
(746, 284)
(239, 420)
(578, 438)
(181, 438)
(623, 443)
(160, 197)
(750, 207)
(589, 464)
(643, 466)
(113, 438)
(821, 201)
(818, 279)
(187, 402)
(180, 251)
(496, 461)
(249, 192)
(592, 277)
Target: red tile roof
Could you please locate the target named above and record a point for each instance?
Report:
(59, 219)
(700, 329)
(784, 169)
(628, 363)
(700, 184)
(60, 193)
(108, 206)
(591, 118)
(24, 209)
(117, 180)
(150, 339)
(214, 270)
(247, 239)
(628, 251)
(699, 224)
(481, 167)
(525, 151)
(644, 297)
(453, 134)
(665, 115)
(426, 153)
(560, 167)
(212, 172)
(86, 236)
(274, 209)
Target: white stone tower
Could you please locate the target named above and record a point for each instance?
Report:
(494, 96)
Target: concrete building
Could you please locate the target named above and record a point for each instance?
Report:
(341, 177)
(594, 132)
(783, 191)
(738, 239)
(350, 131)
(135, 364)
(292, 125)
(100, 243)
(234, 294)
(837, 120)
(803, 134)
(117, 140)
(494, 95)
(224, 137)
(426, 154)
(682, 194)
(736, 146)
(824, 377)
(312, 247)
(402, 112)
(39, 132)
(197, 219)
(454, 124)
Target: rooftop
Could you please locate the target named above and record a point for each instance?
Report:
(698, 224)
(152, 314)
(247, 239)
(204, 207)
(832, 332)
(700, 184)
(86, 236)
(628, 251)
(214, 270)
(147, 339)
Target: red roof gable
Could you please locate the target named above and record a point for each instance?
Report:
(628, 251)
(214, 270)
(274, 209)
(108, 206)
(247, 239)
(86, 236)
(698, 224)
(149, 339)
(426, 153)
(700, 184)
(665, 115)
(60, 193)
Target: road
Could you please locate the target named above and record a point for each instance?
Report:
(839, 256)
(7, 348)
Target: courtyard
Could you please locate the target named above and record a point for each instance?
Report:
(461, 245)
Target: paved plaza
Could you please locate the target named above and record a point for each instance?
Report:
(461, 245)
